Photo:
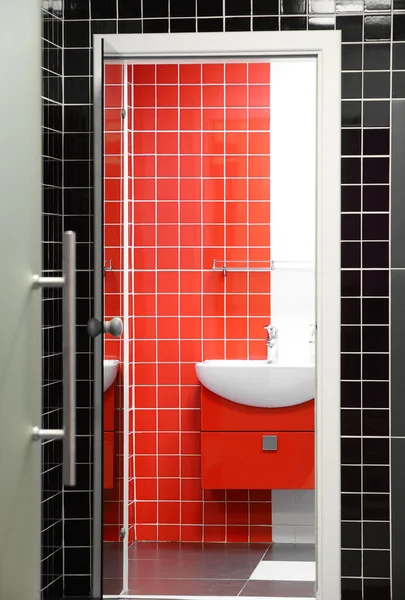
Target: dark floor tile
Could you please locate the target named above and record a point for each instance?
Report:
(112, 586)
(112, 560)
(147, 550)
(304, 552)
(234, 567)
(185, 587)
(282, 589)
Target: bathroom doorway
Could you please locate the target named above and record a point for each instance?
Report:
(205, 241)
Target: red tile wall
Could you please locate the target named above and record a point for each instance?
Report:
(199, 153)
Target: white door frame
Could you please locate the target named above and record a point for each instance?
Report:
(325, 46)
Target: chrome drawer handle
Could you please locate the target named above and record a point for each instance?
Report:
(269, 442)
(68, 283)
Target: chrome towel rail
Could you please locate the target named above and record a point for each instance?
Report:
(273, 266)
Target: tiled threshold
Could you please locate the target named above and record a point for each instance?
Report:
(204, 571)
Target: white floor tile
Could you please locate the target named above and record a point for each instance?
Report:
(271, 570)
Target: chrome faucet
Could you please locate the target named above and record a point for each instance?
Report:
(271, 343)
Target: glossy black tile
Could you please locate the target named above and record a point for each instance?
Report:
(350, 340)
(77, 62)
(350, 507)
(209, 8)
(129, 26)
(351, 114)
(376, 85)
(265, 7)
(350, 255)
(350, 394)
(398, 30)
(104, 9)
(237, 7)
(375, 366)
(131, 9)
(350, 227)
(377, 589)
(157, 8)
(183, 25)
(76, 9)
(350, 422)
(376, 563)
(350, 311)
(294, 23)
(377, 27)
(376, 423)
(100, 27)
(350, 366)
(352, 57)
(375, 283)
(377, 5)
(155, 25)
(265, 23)
(351, 170)
(375, 311)
(376, 141)
(351, 27)
(376, 479)
(322, 6)
(76, 34)
(237, 24)
(376, 198)
(375, 226)
(351, 85)
(376, 507)
(77, 90)
(398, 56)
(375, 394)
(352, 588)
(398, 85)
(376, 170)
(376, 114)
(210, 25)
(375, 339)
(350, 198)
(351, 142)
(293, 7)
(350, 283)
(350, 450)
(351, 563)
(321, 23)
(351, 535)
(377, 57)
(375, 255)
(376, 450)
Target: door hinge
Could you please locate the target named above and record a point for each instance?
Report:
(123, 533)
(123, 113)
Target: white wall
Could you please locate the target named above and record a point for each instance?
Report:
(292, 197)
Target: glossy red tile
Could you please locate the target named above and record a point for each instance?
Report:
(213, 73)
(167, 73)
(144, 73)
(190, 73)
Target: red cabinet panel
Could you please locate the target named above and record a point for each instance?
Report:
(108, 459)
(218, 414)
(109, 397)
(233, 460)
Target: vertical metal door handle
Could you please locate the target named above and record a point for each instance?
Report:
(68, 283)
(69, 358)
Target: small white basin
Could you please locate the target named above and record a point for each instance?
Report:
(110, 372)
(258, 383)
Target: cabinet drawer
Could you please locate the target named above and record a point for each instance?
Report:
(257, 460)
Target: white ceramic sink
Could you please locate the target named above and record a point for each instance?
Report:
(258, 383)
(110, 372)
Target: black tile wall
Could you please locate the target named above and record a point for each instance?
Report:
(52, 227)
(373, 36)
